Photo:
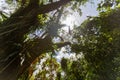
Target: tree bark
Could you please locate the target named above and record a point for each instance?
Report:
(12, 32)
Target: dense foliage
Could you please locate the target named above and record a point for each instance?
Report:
(98, 42)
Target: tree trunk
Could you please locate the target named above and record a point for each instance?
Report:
(12, 33)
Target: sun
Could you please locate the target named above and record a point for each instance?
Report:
(69, 21)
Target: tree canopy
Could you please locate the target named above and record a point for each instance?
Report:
(31, 36)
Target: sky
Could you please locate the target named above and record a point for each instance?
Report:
(87, 10)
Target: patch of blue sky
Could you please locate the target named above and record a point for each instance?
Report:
(88, 9)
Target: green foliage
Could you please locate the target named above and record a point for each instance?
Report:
(42, 18)
(106, 5)
(45, 67)
(97, 40)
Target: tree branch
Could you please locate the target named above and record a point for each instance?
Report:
(27, 16)
(37, 50)
(50, 7)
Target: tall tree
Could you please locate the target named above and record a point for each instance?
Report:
(12, 38)
(97, 40)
